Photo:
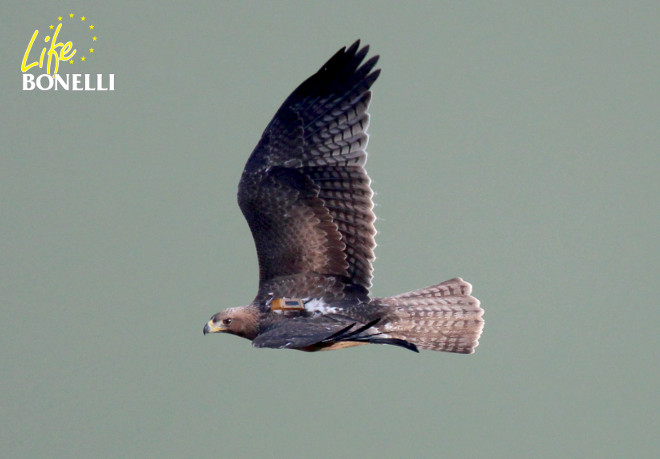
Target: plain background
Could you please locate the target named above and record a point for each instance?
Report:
(515, 144)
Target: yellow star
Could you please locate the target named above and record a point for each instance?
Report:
(91, 27)
(82, 58)
(82, 18)
(51, 26)
(59, 18)
(71, 15)
(71, 61)
(93, 38)
(91, 50)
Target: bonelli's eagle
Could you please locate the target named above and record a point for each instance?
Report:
(308, 201)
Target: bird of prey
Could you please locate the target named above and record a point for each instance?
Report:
(308, 202)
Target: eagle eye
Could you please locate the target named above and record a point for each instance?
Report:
(226, 321)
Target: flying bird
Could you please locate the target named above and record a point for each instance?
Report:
(308, 202)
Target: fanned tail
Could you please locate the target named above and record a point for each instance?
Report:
(443, 317)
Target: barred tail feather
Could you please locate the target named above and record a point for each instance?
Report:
(443, 317)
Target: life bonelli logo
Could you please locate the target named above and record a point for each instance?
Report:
(56, 55)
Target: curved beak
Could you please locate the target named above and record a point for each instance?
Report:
(211, 327)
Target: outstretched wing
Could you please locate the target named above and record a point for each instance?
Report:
(304, 191)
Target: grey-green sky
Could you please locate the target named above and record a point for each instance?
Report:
(514, 144)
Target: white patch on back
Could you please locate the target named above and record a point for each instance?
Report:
(317, 306)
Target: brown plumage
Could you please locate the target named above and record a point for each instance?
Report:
(308, 202)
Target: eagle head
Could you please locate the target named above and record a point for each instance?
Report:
(241, 321)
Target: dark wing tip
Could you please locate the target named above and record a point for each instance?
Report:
(342, 72)
(350, 60)
(347, 54)
(395, 342)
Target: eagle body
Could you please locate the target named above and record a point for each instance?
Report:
(308, 202)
